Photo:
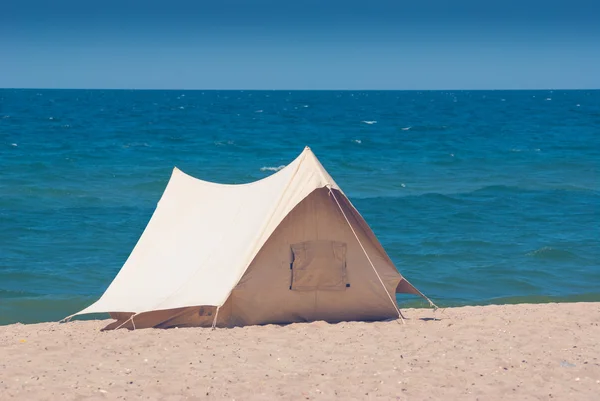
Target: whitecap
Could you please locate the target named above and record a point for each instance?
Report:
(266, 168)
(136, 145)
(258, 111)
(51, 118)
(370, 122)
(305, 106)
(356, 141)
(403, 185)
(181, 107)
(548, 98)
(577, 105)
(14, 144)
(223, 143)
(406, 128)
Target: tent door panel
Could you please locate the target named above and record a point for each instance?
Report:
(319, 265)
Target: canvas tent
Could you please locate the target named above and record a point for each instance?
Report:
(287, 248)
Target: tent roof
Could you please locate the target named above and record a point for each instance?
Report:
(203, 236)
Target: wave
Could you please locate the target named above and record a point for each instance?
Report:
(455, 243)
(136, 145)
(16, 294)
(519, 150)
(224, 143)
(425, 128)
(548, 252)
(400, 193)
(511, 189)
(542, 299)
(268, 168)
(447, 302)
(461, 195)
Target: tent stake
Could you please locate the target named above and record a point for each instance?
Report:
(214, 325)
(126, 321)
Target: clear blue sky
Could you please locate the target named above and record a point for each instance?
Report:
(300, 44)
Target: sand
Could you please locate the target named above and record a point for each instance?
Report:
(518, 352)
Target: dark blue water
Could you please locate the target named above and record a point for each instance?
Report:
(478, 196)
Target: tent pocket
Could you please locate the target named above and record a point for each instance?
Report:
(319, 265)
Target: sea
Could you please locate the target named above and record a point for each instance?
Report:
(479, 197)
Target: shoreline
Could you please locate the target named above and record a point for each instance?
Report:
(7, 315)
(522, 351)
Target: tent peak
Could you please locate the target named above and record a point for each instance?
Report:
(308, 150)
(307, 159)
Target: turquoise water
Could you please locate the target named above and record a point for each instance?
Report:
(478, 196)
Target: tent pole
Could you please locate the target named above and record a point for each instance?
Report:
(367, 255)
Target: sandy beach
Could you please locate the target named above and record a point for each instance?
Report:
(520, 352)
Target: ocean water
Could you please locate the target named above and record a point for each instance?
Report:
(478, 196)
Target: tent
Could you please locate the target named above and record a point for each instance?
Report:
(287, 248)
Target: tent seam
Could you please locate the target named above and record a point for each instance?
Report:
(265, 225)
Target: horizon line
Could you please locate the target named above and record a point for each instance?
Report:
(303, 90)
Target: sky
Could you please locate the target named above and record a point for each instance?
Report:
(294, 44)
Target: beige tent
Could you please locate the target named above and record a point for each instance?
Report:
(287, 248)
